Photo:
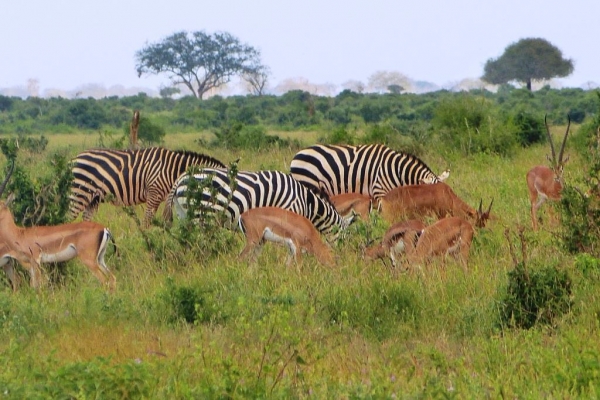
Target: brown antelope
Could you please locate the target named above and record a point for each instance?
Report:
(393, 244)
(346, 203)
(46, 244)
(438, 199)
(448, 236)
(547, 182)
(284, 227)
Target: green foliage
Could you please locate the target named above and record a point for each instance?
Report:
(32, 144)
(199, 60)
(526, 60)
(97, 378)
(42, 200)
(580, 220)
(580, 208)
(470, 125)
(538, 296)
(375, 309)
(530, 129)
(148, 131)
(202, 231)
(239, 136)
(339, 135)
(193, 304)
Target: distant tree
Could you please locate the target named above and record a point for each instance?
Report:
(198, 60)
(354, 86)
(395, 88)
(257, 79)
(380, 81)
(527, 60)
(168, 91)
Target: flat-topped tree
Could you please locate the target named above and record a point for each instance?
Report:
(199, 60)
(527, 60)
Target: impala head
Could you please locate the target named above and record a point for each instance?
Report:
(483, 216)
(557, 164)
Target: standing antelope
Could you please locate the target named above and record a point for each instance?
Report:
(547, 182)
(284, 227)
(46, 244)
(413, 201)
(347, 203)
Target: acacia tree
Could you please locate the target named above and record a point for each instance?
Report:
(256, 79)
(198, 60)
(527, 60)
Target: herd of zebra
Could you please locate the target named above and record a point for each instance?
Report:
(153, 175)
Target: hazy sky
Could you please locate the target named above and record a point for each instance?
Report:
(65, 44)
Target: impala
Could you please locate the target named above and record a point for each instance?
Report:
(284, 227)
(392, 244)
(448, 236)
(46, 244)
(547, 182)
(6, 262)
(348, 204)
(414, 201)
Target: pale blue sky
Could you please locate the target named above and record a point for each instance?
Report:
(66, 43)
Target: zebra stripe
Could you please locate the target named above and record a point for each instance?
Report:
(131, 176)
(256, 189)
(368, 169)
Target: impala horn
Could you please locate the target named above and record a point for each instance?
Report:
(10, 171)
(553, 159)
(562, 148)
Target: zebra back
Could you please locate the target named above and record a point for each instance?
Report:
(368, 169)
(131, 176)
(256, 189)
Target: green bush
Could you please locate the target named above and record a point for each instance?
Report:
(41, 200)
(254, 137)
(530, 130)
(471, 125)
(192, 304)
(339, 135)
(148, 131)
(535, 296)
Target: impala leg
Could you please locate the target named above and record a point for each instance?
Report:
(534, 208)
(35, 272)
(13, 277)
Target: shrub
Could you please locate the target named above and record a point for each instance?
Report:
(339, 135)
(530, 130)
(240, 136)
(148, 131)
(535, 296)
(192, 304)
(471, 125)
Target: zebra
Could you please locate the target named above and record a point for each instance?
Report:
(256, 189)
(130, 177)
(372, 169)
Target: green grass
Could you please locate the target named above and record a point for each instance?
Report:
(267, 331)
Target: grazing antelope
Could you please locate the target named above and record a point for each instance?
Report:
(46, 244)
(393, 244)
(347, 203)
(414, 201)
(448, 236)
(547, 182)
(284, 227)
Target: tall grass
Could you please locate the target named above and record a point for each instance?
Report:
(182, 327)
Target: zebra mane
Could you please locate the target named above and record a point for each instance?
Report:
(319, 192)
(207, 158)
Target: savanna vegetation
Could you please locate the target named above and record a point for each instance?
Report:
(188, 320)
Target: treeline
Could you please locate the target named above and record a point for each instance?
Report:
(494, 122)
